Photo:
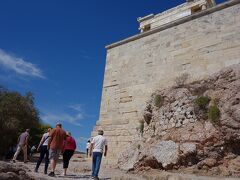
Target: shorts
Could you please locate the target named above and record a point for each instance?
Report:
(54, 154)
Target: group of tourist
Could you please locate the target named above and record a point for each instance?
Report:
(56, 141)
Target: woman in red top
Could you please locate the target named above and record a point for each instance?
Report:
(68, 151)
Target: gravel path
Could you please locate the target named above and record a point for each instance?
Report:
(80, 168)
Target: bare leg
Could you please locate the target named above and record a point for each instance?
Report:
(53, 165)
(24, 148)
(65, 171)
(17, 153)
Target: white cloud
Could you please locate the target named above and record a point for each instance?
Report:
(66, 117)
(54, 118)
(76, 107)
(19, 65)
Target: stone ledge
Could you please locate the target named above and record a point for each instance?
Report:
(175, 23)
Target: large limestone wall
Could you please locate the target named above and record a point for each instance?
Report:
(137, 67)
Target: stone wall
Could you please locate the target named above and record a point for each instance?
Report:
(136, 67)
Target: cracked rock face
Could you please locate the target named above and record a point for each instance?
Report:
(9, 171)
(176, 135)
(165, 152)
(129, 158)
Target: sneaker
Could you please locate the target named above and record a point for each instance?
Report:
(95, 178)
(35, 170)
(52, 174)
(13, 161)
(45, 172)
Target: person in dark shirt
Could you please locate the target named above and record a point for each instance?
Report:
(43, 148)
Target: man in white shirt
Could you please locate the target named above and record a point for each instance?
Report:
(97, 148)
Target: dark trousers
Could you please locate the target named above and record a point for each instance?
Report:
(43, 152)
(66, 157)
(96, 162)
(87, 152)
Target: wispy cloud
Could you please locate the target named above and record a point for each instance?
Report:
(84, 54)
(72, 118)
(54, 118)
(19, 65)
(77, 107)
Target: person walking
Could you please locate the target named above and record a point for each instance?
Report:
(68, 151)
(97, 147)
(22, 146)
(33, 148)
(87, 147)
(55, 143)
(43, 147)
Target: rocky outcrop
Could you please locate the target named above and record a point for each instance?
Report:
(196, 125)
(129, 157)
(9, 171)
(165, 152)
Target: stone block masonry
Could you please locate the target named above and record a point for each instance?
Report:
(199, 45)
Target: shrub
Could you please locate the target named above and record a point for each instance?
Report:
(202, 102)
(181, 80)
(214, 114)
(158, 101)
(141, 127)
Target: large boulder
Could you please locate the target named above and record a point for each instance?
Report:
(166, 153)
(129, 158)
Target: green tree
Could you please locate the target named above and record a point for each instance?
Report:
(18, 113)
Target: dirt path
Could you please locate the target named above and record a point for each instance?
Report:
(80, 168)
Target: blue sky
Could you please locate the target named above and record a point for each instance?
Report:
(56, 49)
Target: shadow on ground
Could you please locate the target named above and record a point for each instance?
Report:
(79, 177)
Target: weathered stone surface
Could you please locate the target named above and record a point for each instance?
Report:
(203, 144)
(209, 162)
(9, 176)
(166, 153)
(234, 166)
(188, 148)
(129, 158)
(10, 171)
